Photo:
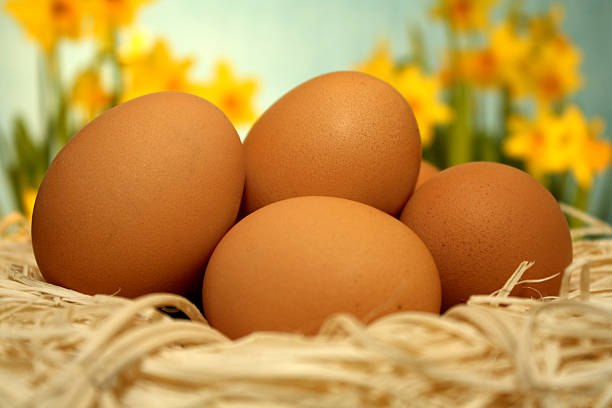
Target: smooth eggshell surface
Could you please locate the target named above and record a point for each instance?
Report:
(481, 220)
(138, 199)
(291, 264)
(342, 134)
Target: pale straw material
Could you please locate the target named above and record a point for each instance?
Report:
(60, 348)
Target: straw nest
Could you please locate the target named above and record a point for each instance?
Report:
(61, 348)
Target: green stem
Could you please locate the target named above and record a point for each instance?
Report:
(543, 178)
(557, 185)
(42, 95)
(581, 201)
(418, 48)
(116, 68)
(461, 132)
(605, 201)
(59, 109)
(491, 151)
(52, 87)
(563, 187)
(506, 112)
(460, 135)
(486, 142)
(506, 109)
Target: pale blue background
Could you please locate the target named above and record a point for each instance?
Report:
(285, 42)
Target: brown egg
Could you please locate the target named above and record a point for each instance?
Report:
(426, 172)
(138, 199)
(480, 221)
(291, 264)
(343, 134)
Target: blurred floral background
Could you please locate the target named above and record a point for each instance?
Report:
(524, 83)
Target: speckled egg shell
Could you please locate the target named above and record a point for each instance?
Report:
(342, 134)
(291, 264)
(481, 220)
(138, 199)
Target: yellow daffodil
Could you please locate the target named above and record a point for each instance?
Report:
(157, 71)
(116, 12)
(160, 71)
(110, 14)
(28, 197)
(545, 26)
(481, 67)
(590, 153)
(420, 90)
(502, 62)
(137, 43)
(540, 62)
(554, 70)
(554, 61)
(556, 143)
(89, 95)
(46, 21)
(541, 144)
(380, 64)
(233, 95)
(464, 15)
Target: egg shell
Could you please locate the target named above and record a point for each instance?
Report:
(426, 172)
(342, 134)
(291, 264)
(138, 199)
(481, 220)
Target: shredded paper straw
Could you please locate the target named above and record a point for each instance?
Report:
(61, 348)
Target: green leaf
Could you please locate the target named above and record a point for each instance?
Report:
(15, 177)
(30, 157)
(417, 43)
(4, 151)
(461, 134)
(436, 152)
(25, 148)
(62, 123)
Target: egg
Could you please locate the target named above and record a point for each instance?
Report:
(426, 172)
(137, 200)
(480, 221)
(342, 134)
(291, 264)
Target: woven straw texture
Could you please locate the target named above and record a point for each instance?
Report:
(60, 348)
